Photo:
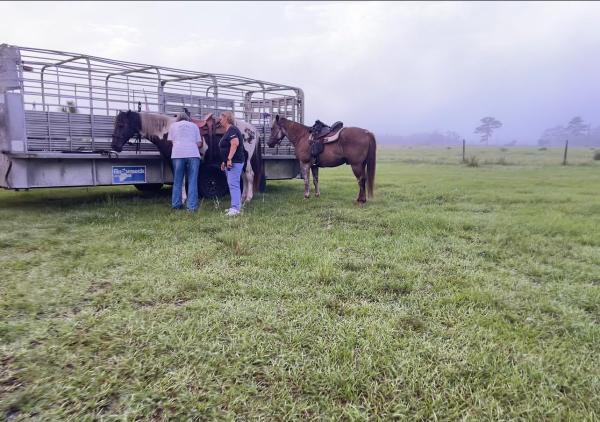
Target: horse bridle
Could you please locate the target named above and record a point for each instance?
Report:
(136, 135)
(282, 130)
(137, 142)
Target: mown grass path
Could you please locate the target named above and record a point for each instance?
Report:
(458, 293)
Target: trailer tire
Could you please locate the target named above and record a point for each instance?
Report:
(212, 182)
(149, 187)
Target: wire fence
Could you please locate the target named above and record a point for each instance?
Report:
(476, 156)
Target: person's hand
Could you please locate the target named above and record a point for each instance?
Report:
(222, 166)
(229, 164)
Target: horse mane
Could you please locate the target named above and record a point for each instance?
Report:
(293, 123)
(154, 124)
(295, 126)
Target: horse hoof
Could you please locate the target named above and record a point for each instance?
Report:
(317, 195)
(306, 196)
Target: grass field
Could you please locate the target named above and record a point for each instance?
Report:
(458, 293)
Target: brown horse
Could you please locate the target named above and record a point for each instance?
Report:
(355, 146)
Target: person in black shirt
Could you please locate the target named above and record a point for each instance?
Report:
(232, 160)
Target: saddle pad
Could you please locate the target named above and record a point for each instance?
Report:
(333, 138)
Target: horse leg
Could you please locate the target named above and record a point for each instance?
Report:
(315, 173)
(244, 187)
(248, 184)
(306, 176)
(185, 187)
(359, 172)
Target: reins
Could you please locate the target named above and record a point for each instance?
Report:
(138, 135)
(138, 142)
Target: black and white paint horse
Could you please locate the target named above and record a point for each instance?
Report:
(155, 127)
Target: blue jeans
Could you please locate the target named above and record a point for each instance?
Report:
(190, 167)
(233, 180)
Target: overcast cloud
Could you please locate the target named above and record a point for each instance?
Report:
(395, 68)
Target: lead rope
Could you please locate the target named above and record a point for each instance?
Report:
(138, 142)
(138, 136)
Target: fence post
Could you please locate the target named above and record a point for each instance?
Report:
(463, 151)
(564, 163)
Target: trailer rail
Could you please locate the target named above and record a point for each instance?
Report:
(58, 106)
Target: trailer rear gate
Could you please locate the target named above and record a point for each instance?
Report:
(57, 112)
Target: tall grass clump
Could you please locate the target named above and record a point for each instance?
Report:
(472, 161)
(597, 155)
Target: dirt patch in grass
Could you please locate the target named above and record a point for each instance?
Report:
(10, 383)
(98, 286)
(395, 288)
(410, 323)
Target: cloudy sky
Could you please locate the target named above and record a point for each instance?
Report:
(394, 68)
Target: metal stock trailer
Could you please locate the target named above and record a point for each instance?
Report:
(57, 113)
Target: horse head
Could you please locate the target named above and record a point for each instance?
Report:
(278, 132)
(127, 125)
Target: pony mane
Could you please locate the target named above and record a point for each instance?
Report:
(154, 124)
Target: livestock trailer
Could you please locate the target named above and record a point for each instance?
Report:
(57, 112)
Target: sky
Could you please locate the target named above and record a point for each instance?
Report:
(393, 68)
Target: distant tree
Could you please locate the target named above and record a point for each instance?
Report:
(552, 136)
(488, 125)
(576, 127)
(452, 137)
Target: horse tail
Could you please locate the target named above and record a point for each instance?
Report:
(257, 165)
(371, 160)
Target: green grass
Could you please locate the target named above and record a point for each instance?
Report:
(458, 293)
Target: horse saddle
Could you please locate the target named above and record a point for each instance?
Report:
(320, 130)
(208, 125)
(205, 125)
(322, 134)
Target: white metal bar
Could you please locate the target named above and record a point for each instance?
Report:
(113, 82)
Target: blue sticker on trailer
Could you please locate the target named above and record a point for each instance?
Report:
(124, 175)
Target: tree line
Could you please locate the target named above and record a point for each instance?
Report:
(576, 131)
(579, 134)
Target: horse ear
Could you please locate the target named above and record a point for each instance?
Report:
(277, 118)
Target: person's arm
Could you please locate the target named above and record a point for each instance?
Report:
(171, 135)
(199, 139)
(232, 147)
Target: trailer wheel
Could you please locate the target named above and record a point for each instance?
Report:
(212, 182)
(149, 187)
